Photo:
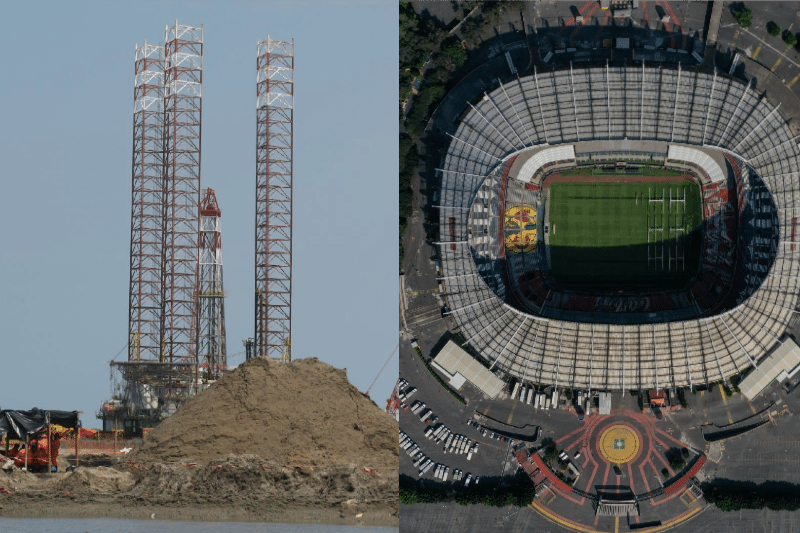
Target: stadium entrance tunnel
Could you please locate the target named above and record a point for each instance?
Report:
(646, 244)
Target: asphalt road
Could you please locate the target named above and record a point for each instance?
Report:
(454, 518)
(782, 59)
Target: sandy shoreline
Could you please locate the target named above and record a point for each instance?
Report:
(53, 506)
(243, 491)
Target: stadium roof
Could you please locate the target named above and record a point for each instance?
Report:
(627, 110)
(784, 359)
(454, 360)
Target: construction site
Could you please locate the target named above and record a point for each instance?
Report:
(175, 380)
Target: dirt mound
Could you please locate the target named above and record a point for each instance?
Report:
(247, 480)
(238, 488)
(100, 479)
(17, 479)
(301, 413)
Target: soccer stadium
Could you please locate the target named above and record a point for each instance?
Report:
(616, 228)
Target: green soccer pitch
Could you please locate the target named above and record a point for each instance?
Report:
(624, 234)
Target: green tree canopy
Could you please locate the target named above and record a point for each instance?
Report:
(744, 17)
(418, 38)
(455, 52)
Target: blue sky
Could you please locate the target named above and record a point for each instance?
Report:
(65, 162)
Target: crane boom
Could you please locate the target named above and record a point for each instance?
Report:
(382, 368)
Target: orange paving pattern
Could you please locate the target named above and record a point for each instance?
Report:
(619, 444)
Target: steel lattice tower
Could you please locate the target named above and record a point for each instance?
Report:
(144, 305)
(211, 334)
(183, 77)
(161, 370)
(274, 138)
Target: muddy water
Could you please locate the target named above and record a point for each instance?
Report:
(104, 525)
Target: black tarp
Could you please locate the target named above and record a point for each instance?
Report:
(18, 424)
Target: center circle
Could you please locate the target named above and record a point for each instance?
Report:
(619, 443)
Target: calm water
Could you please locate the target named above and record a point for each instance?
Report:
(105, 525)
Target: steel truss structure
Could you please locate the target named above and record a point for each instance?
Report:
(212, 355)
(161, 370)
(183, 77)
(273, 247)
(144, 305)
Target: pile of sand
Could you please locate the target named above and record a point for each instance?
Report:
(246, 480)
(101, 479)
(301, 413)
(15, 479)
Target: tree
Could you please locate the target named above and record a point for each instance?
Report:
(728, 391)
(455, 52)
(682, 397)
(735, 495)
(677, 463)
(551, 454)
(744, 17)
(737, 378)
(675, 459)
(491, 12)
(789, 38)
(407, 496)
(406, 78)
(418, 37)
(471, 31)
(773, 29)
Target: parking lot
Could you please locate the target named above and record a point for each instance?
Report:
(771, 52)
(491, 459)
